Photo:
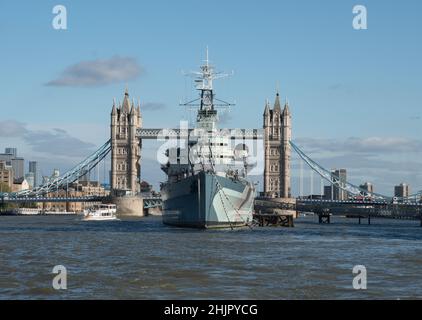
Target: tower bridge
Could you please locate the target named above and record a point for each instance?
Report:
(125, 146)
(127, 134)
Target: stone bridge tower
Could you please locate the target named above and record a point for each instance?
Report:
(125, 147)
(277, 135)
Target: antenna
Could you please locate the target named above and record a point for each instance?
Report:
(207, 61)
(204, 83)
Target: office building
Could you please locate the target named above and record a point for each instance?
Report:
(10, 156)
(369, 187)
(328, 193)
(18, 167)
(12, 151)
(56, 173)
(6, 176)
(33, 168)
(7, 157)
(402, 190)
(339, 176)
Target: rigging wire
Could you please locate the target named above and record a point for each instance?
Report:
(228, 199)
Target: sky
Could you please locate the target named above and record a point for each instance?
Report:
(355, 95)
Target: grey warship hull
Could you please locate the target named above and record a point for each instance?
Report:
(207, 200)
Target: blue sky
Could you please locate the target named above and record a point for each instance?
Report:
(355, 95)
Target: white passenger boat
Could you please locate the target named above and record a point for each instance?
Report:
(59, 213)
(101, 212)
(26, 211)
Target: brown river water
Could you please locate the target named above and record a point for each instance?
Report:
(143, 259)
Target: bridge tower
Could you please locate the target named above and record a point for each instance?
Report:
(125, 147)
(277, 136)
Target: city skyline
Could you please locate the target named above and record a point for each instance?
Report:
(355, 104)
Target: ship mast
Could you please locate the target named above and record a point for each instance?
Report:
(207, 114)
(204, 84)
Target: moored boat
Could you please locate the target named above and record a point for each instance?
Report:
(21, 212)
(102, 212)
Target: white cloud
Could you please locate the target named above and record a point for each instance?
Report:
(153, 106)
(369, 145)
(98, 72)
(53, 142)
(12, 128)
(58, 142)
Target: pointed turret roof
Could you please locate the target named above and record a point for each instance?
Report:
(286, 110)
(277, 105)
(113, 110)
(126, 102)
(267, 107)
(138, 108)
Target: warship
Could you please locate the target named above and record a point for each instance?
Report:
(206, 187)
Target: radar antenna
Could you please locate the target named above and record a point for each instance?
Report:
(204, 83)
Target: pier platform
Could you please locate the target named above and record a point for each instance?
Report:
(276, 218)
(277, 212)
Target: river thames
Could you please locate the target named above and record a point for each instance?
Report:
(143, 259)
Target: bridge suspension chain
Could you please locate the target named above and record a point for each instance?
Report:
(328, 175)
(69, 177)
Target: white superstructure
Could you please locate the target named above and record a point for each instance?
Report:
(26, 211)
(101, 212)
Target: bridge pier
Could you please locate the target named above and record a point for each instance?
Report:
(276, 218)
(129, 205)
(269, 205)
(324, 218)
(324, 215)
(369, 219)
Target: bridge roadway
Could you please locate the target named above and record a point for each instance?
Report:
(250, 134)
(150, 201)
(51, 199)
(349, 208)
(361, 209)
